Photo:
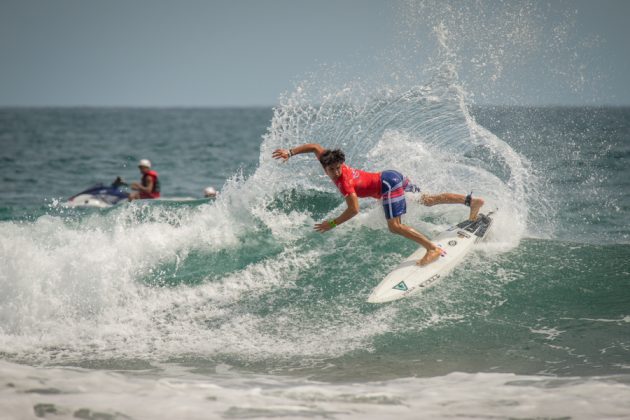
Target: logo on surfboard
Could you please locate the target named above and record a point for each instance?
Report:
(401, 286)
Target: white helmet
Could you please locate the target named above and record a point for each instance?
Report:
(209, 192)
(145, 162)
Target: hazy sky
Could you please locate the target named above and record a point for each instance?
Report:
(236, 52)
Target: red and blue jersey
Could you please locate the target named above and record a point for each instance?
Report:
(362, 183)
(389, 186)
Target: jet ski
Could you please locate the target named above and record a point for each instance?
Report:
(100, 195)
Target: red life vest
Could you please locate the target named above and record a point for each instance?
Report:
(155, 192)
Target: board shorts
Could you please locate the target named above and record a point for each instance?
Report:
(393, 187)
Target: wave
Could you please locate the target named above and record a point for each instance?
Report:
(246, 279)
(246, 275)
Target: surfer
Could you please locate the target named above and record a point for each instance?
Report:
(388, 186)
(149, 186)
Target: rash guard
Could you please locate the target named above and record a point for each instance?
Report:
(363, 184)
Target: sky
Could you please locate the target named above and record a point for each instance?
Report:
(248, 52)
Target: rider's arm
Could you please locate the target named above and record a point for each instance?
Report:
(139, 187)
(352, 201)
(149, 186)
(352, 210)
(303, 148)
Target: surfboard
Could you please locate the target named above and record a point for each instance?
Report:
(408, 278)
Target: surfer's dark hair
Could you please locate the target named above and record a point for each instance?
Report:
(332, 157)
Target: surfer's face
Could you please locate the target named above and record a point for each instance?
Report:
(333, 171)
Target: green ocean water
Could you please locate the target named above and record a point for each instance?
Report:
(169, 299)
(244, 280)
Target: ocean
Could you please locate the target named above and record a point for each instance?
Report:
(235, 307)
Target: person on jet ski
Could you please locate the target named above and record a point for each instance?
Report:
(149, 186)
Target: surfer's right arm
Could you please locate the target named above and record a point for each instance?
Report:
(285, 154)
(352, 201)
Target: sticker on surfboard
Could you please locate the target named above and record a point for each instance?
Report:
(401, 286)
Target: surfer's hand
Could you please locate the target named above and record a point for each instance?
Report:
(281, 154)
(323, 227)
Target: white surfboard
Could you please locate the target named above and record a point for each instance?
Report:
(408, 278)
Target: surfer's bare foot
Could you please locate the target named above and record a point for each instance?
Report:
(475, 206)
(430, 256)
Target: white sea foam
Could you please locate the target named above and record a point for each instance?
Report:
(76, 292)
(72, 393)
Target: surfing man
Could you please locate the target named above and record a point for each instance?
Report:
(149, 186)
(388, 186)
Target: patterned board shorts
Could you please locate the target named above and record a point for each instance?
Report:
(393, 187)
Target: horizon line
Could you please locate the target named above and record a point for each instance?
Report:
(271, 106)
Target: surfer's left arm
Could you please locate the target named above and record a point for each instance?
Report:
(352, 210)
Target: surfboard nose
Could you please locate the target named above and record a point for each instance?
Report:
(388, 296)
